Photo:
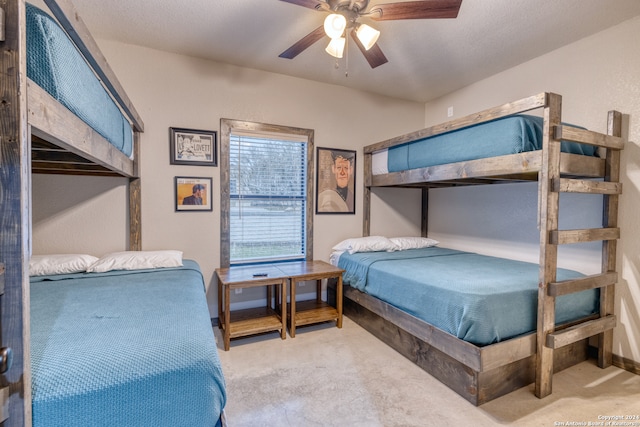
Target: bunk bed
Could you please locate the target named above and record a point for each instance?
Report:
(49, 129)
(481, 371)
(124, 347)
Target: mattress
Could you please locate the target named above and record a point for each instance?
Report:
(124, 349)
(507, 135)
(477, 298)
(54, 63)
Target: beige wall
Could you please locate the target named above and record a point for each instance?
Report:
(88, 215)
(594, 75)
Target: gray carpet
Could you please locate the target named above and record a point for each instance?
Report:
(327, 376)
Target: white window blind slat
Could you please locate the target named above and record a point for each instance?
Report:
(268, 198)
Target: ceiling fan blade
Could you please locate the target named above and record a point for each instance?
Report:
(303, 43)
(374, 56)
(311, 4)
(425, 9)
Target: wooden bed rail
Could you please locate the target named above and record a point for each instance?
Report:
(508, 109)
(583, 136)
(69, 134)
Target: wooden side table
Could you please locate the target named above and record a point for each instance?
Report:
(254, 320)
(314, 311)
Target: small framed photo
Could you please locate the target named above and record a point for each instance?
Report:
(193, 147)
(335, 181)
(193, 194)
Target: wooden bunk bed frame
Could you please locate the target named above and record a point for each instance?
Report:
(481, 374)
(40, 135)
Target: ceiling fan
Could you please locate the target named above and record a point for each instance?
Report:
(344, 16)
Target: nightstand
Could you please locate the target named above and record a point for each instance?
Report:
(254, 320)
(314, 311)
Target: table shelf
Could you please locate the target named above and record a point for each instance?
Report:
(309, 312)
(254, 321)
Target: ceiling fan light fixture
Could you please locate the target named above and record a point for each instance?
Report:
(367, 35)
(334, 25)
(345, 15)
(336, 47)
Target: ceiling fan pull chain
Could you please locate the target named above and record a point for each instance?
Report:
(346, 58)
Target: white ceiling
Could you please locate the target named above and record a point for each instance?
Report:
(427, 58)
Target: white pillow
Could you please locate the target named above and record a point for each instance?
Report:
(366, 244)
(136, 260)
(404, 243)
(44, 265)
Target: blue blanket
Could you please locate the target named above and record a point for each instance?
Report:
(54, 64)
(508, 135)
(477, 298)
(124, 349)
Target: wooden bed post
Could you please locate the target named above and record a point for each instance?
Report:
(548, 214)
(424, 226)
(15, 211)
(609, 220)
(135, 200)
(135, 215)
(366, 196)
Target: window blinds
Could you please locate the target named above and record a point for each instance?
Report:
(268, 202)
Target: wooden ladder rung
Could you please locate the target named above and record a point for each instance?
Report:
(566, 185)
(555, 289)
(580, 331)
(570, 133)
(563, 237)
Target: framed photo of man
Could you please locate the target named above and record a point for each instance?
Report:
(335, 181)
(193, 194)
(193, 147)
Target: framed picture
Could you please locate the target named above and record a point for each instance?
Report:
(335, 181)
(193, 147)
(193, 194)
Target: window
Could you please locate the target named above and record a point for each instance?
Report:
(265, 212)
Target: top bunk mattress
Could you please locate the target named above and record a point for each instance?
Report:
(507, 135)
(477, 298)
(54, 63)
(124, 348)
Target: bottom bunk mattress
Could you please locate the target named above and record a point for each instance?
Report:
(477, 298)
(124, 348)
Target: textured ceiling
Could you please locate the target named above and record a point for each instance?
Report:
(427, 58)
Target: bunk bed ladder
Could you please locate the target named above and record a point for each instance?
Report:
(550, 187)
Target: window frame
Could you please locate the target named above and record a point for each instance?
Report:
(227, 127)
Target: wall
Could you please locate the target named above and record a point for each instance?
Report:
(88, 215)
(593, 75)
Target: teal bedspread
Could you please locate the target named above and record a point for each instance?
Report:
(508, 135)
(55, 65)
(124, 349)
(477, 298)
